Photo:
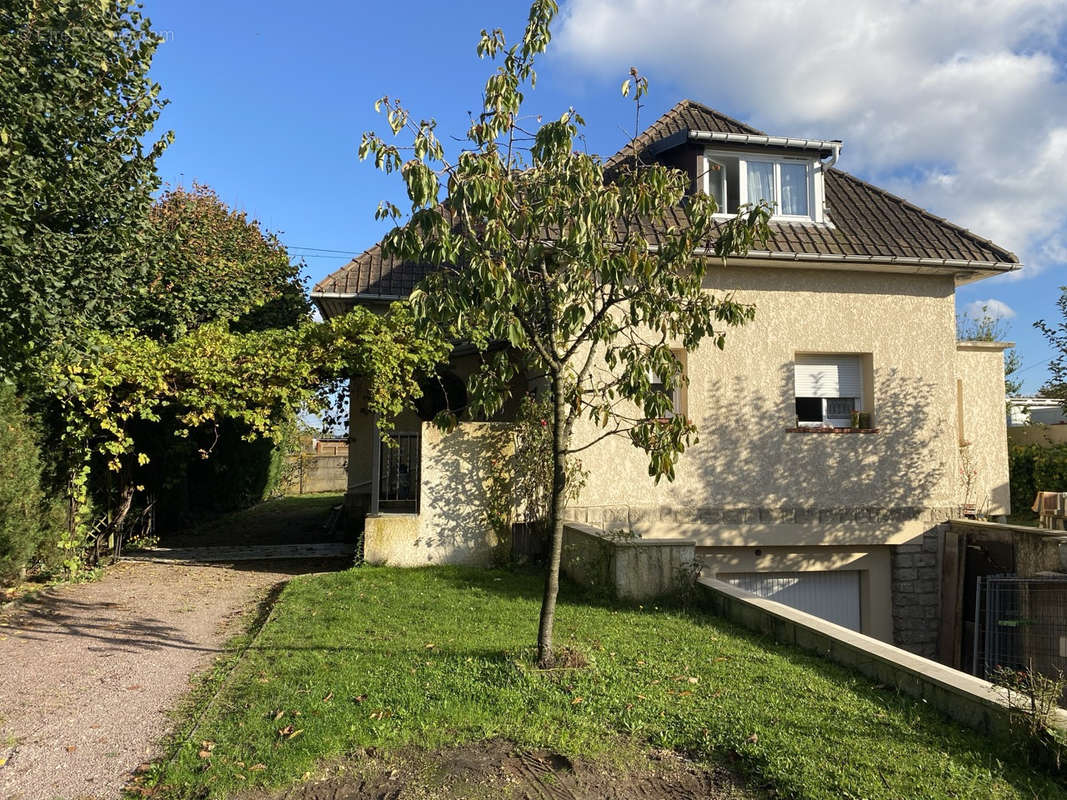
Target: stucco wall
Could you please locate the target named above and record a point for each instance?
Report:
(452, 526)
(980, 370)
(457, 471)
(750, 478)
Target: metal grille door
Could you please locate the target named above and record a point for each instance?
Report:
(398, 476)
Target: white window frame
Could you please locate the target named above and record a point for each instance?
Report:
(709, 174)
(857, 400)
(676, 395)
(813, 173)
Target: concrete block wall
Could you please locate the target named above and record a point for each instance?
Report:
(633, 569)
(916, 593)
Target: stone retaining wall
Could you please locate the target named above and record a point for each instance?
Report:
(639, 518)
(917, 593)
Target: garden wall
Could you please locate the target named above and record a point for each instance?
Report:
(632, 569)
(965, 698)
(310, 473)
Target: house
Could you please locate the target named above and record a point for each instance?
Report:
(331, 446)
(1036, 420)
(855, 312)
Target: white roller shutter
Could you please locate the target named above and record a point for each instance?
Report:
(834, 596)
(828, 376)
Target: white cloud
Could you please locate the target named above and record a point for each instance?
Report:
(991, 307)
(961, 107)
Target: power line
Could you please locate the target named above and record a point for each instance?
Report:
(321, 249)
(1032, 366)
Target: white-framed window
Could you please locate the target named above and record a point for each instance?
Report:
(793, 186)
(828, 388)
(678, 396)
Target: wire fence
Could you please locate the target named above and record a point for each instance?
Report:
(1020, 623)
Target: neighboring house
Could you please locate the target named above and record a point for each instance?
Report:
(331, 446)
(855, 310)
(1036, 420)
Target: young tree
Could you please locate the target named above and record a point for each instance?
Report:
(1056, 335)
(77, 168)
(590, 274)
(985, 326)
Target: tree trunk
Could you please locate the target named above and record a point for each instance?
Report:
(545, 655)
(115, 528)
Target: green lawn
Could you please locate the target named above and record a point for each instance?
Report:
(430, 657)
(294, 519)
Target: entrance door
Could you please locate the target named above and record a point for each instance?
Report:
(834, 596)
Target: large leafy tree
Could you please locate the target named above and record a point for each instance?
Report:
(591, 275)
(209, 262)
(77, 168)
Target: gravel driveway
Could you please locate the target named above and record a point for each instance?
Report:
(89, 672)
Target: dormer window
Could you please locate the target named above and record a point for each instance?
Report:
(791, 185)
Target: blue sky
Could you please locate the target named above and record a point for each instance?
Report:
(961, 108)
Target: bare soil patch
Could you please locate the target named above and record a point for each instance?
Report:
(498, 769)
(89, 672)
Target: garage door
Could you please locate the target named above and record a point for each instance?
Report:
(834, 596)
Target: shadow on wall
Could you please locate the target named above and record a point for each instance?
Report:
(749, 469)
(464, 477)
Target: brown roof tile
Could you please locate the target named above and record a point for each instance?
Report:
(866, 222)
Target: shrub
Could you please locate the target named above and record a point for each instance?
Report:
(25, 517)
(1036, 468)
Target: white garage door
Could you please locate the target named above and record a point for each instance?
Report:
(834, 596)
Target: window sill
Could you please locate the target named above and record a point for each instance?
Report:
(831, 430)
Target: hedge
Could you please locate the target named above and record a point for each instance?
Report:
(1035, 468)
(27, 518)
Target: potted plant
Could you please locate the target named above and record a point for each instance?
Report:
(855, 419)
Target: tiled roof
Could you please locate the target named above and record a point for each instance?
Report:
(868, 223)
(373, 274)
(687, 115)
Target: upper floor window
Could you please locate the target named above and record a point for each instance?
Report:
(678, 395)
(792, 186)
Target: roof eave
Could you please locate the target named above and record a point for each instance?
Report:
(822, 146)
(333, 304)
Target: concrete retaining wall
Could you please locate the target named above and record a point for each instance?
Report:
(966, 699)
(633, 569)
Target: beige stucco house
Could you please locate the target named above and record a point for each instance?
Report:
(784, 494)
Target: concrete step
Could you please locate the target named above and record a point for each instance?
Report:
(215, 555)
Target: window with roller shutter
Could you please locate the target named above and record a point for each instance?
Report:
(828, 388)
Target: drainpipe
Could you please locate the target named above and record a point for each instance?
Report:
(835, 153)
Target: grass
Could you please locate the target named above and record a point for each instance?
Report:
(282, 520)
(389, 658)
(1023, 517)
